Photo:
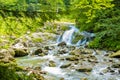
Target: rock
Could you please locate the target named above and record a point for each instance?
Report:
(116, 65)
(105, 70)
(49, 47)
(65, 65)
(86, 51)
(41, 54)
(84, 69)
(75, 52)
(83, 79)
(62, 79)
(72, 58)
(19, 43)
(5, 56)
(62, 44)
(38, 51)
(115, 55)
(20, 52)
(52, 64)
(12, 52)
(62, 51)
(37, 68)
(71, 47)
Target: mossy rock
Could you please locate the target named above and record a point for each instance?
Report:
(116, 65)
(52, 64)
(75, 52)
(84, 69)
(37, 40)
(65, 65)
(115, 55)
(20, 52)
(72, 58)
(38, 51)
(77, 37)
(5, 56)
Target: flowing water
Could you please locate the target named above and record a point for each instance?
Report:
(70, 72)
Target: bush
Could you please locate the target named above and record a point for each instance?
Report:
(108, 31)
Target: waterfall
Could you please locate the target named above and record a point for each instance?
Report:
(68, 36)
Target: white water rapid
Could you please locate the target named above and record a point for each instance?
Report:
(69, 35)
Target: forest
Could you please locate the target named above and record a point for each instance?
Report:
(25, 17)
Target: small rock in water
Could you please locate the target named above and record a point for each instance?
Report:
(117, 65)
(62, 79)
(84, 69)
(83, 79)
(62, 44)
(38, 51)
(52, 64)
(62, 51)
(20, 52)
(72, 58)
(65, 65)
(115, 55)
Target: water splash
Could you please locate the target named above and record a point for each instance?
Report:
(69, 35)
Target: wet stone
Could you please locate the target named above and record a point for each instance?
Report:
(41, 54)
(83, 79)
(52, 64)
(105, 70)
(38, 51)
(115, 55)
(20, 52)
(62, 79)
(72, 58)
(65, 65)
(62, 44)
(84, 69)
(62, 51)
(1, 56)
(49, 47)
(117, 65)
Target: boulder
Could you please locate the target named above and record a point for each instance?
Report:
(38, 51)
(72, 58)
(5, 56)
(52, 64)
(84, 69)
(20, 52)
(75, 52)
(65, 65)
(62, 44)
(115, 65)
(84, 78)
(62, 51)
(115, 55)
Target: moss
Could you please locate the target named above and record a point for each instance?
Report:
(37, 39)
(64, 28)
(77, 37)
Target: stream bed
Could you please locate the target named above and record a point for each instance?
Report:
(64, 60)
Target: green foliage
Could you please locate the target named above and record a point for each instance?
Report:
(102, 18)
(18, 26)
(107, 28)
(85, 11)
(7, 72)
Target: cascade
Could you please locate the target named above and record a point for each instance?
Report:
(69, 35)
